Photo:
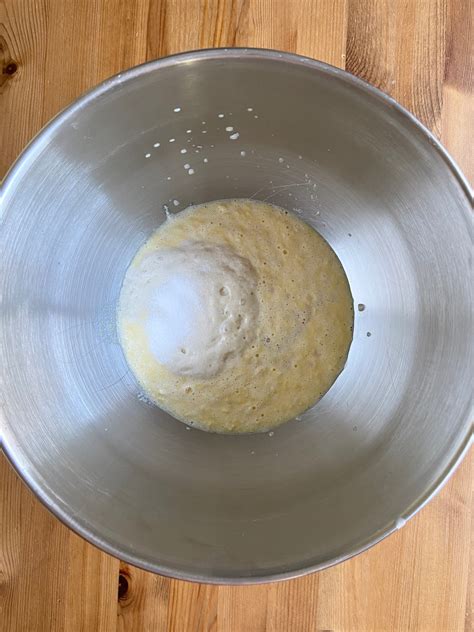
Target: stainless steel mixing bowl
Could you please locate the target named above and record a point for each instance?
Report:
(88, 192)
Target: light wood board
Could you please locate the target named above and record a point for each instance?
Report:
(419, 51)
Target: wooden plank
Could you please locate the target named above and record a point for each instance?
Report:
(90, 589)
(143, 600)
(400, 47)
(23, 85)
(458, 104)
(415, 49)
(50, 579)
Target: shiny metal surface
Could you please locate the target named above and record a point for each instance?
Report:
(82, 199)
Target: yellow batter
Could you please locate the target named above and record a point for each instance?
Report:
(235, 316)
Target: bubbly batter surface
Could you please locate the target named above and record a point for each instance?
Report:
(235, 316)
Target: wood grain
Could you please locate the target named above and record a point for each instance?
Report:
(417, 50)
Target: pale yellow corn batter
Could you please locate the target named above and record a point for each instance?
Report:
(235, 316)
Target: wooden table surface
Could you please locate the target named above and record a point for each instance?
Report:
(416, 50)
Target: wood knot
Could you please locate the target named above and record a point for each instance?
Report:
(10, 68)
(124, 584)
